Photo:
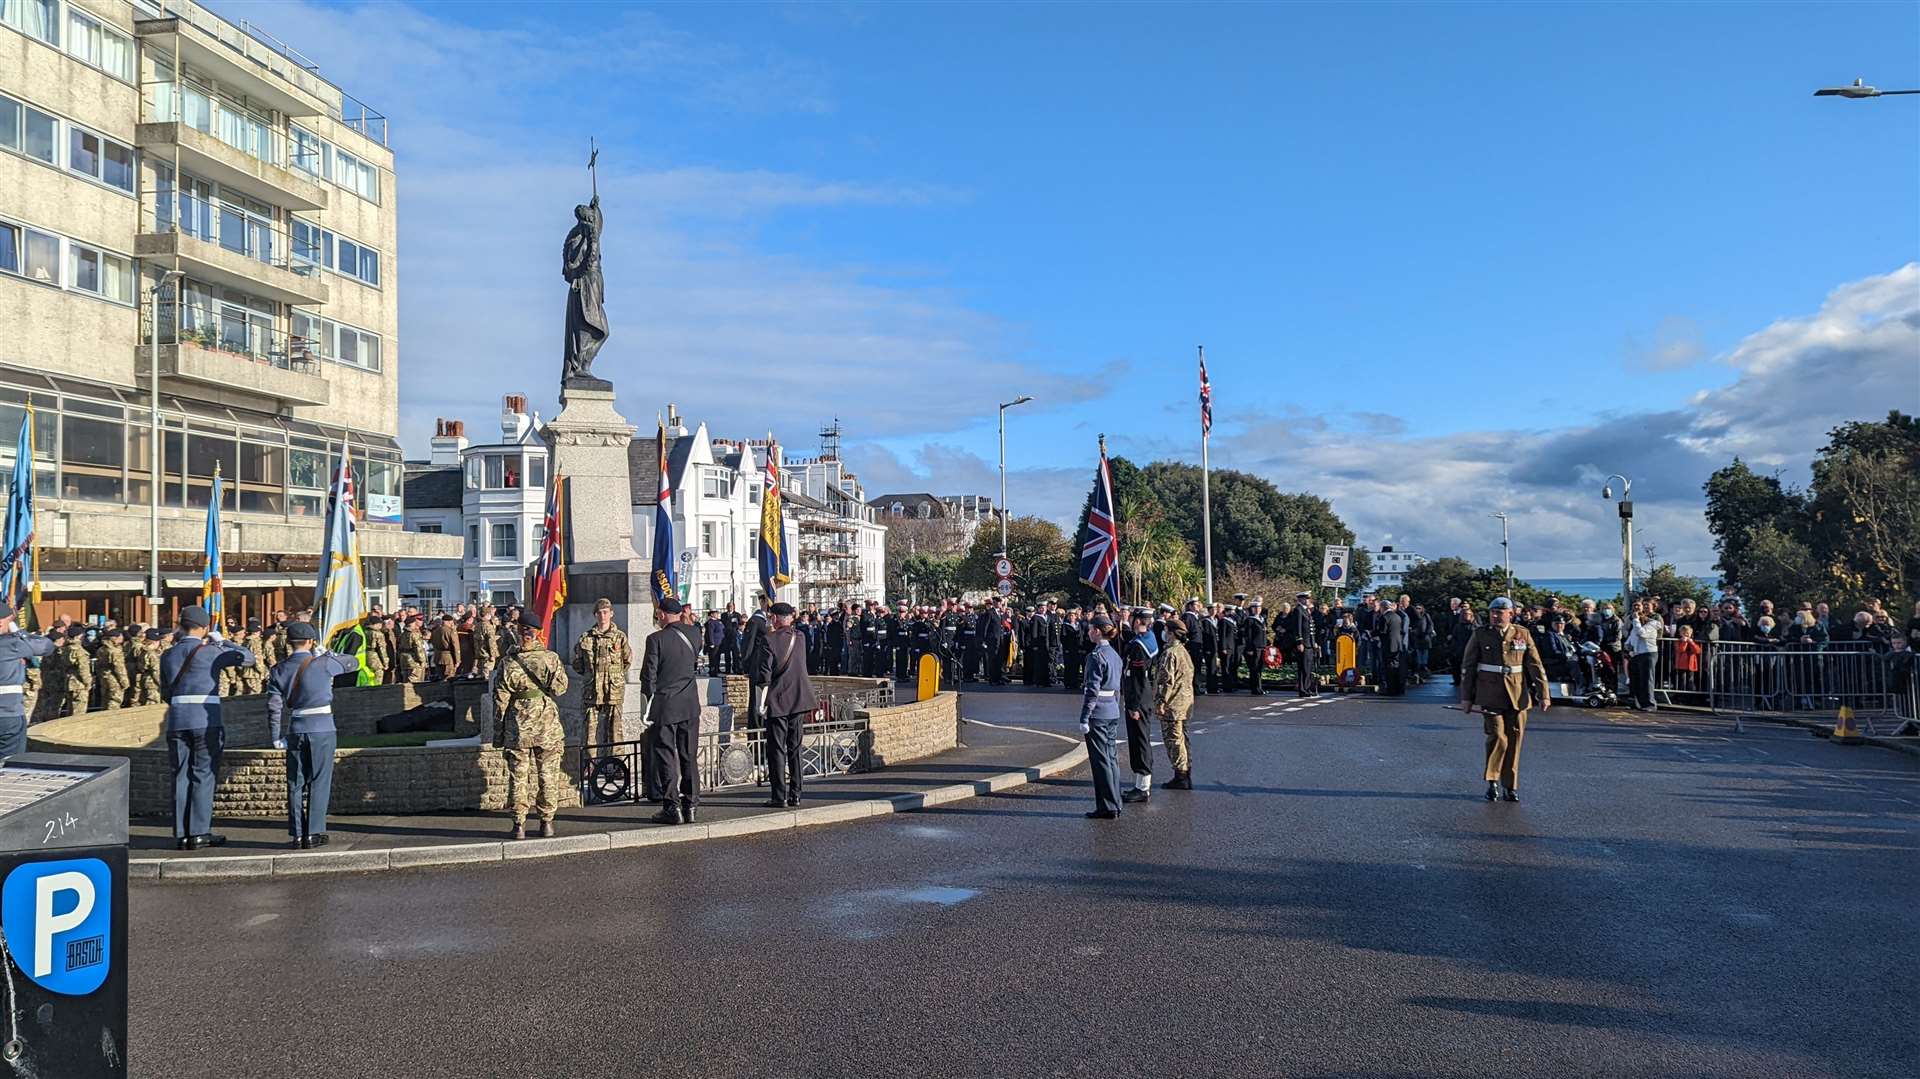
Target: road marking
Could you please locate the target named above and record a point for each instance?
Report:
(1023, 730)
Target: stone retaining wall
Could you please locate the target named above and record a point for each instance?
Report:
(910, 732)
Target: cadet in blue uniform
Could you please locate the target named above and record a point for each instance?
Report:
(190, 682)
(15, 649)
(300, 701)
(1100, 718)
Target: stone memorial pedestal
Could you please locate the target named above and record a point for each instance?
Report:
(588, 443)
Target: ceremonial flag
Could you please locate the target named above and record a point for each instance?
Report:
(1206, 398)
(774, 568)
(340, 594)
(550, 570)
(1100, 543)
(19, 561)
(664, 584)
(213, 595)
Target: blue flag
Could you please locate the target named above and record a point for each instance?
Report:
(19, 584)
(664, 583)
(339, 593)
(213, 595)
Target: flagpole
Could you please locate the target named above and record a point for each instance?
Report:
(1206, 496)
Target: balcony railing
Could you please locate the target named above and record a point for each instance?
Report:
(248, 338)
(232, 228)
(162, 103)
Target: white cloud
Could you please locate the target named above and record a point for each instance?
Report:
(1855, 359)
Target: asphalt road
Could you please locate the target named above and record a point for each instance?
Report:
(1671, 898)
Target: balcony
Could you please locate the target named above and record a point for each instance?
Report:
(238, 60)
(265, 173)
(236, 354)
(219, 244)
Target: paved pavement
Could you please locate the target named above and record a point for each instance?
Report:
(985, 751)
(1336, 900)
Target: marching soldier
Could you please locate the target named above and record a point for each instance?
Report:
(1501, 668)
(525, 700)
(1253, 644)
(17, 651)
(1173, 700)
(602, 656)
(111, 661)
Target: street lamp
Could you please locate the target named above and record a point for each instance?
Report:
(154, 447)
(1020, 400)
(1626, 534)
(1859, 89)
(1506, 552)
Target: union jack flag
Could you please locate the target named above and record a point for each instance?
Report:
(550, 569)
(1206, 397)
(1100, 543)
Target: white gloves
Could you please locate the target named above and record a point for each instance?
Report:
(1084, 728)
(279, 743)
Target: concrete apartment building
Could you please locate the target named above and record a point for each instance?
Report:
(142, 139)
(1390, 567)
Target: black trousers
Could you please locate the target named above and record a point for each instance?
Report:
(1256, 667)
(997, 662)
(1213, 673)
(1199, 657)
(674, 760)
(1640, 675)
(1073, 667)
(1140, 742)
(784, 760)
(903, 661)
(970, 664)
(1306, 686)
(715, 666)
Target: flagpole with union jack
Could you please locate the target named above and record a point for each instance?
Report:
(1206, 494)
(1100, 543)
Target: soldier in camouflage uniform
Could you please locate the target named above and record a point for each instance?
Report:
(30, 689)
(110, 665)
(527, 726)
(146, 668)
(251, 678)
(486, 643)
(412, 653)
(76, 672)
(378, 658)
(602, 657)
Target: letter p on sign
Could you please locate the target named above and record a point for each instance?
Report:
(60, 913)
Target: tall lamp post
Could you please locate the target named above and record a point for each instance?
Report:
(1506, 552)
(1859, 89)
(1626, 535)
(155, 446)
(1020, 400)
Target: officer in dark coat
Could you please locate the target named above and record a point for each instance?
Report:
(782, 665)
(1300, 644)
(669, 679)
(835, 650)
(1073, 649)
(1100, 716)
(190, 682)
(1226, 649)
(1198, 631)
(993, 643)
(16, 648)
(1253, 645)
(300, 702)
(1137, 697)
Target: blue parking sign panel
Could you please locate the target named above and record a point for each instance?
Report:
(58, 918)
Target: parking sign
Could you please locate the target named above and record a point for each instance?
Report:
(1333, 569)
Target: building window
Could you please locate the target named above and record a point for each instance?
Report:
(505, 597)
(39, 136)
(101, 46)
(512, 465)
(710, 539)
(43, 258)
(506, 541)
(473, 473)
(536, 471)
(39, 18)
(496, 472)
(429, 528)
(473, 543)
(430, 597)
(713, 483)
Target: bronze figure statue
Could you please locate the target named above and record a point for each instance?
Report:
(586, 291)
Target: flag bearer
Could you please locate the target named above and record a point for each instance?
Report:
(300, 702)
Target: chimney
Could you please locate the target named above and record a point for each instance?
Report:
(449, 438)
(675, 429)
(514, 422)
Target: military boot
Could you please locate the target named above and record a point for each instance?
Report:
(1181, 781)
(519, 829)
(546, 829)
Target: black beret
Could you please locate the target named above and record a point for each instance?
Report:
(302, 631)
(196, 617)
(783, 609)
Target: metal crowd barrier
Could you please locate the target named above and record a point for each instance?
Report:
(834, 742)
(1744, 679)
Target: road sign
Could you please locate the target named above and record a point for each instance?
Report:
(1005, 587)
(1003, 568)
(1333, 569)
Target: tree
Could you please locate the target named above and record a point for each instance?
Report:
(909, 536)
(1740, 501)
(927, 578)
(1779, 567)
(1042, 559)
(1665, 581)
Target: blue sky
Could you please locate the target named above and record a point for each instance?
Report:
(1446, 259)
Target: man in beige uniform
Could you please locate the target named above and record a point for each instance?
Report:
(1173, 699)
(1501, 668)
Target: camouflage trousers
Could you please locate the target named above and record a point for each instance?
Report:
(535, 742)
(146, 690)
(1173, 736)
(113, 693)
(603, 722)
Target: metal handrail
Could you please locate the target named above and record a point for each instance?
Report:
(267, 242)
